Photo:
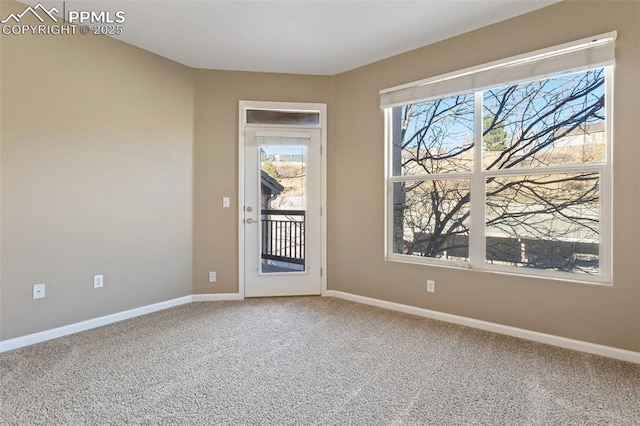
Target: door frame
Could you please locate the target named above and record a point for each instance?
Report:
(282, 106)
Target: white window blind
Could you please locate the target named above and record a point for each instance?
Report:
(580, 55)
(282, 138)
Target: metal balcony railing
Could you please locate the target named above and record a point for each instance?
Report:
(283, 235)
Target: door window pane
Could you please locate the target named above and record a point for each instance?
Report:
(283, 204)
(295, 118)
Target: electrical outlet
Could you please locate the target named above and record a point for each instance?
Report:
(38, 291)
(431, 286)
(98, 281)
(212, 277)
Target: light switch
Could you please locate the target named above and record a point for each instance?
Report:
(226, 202)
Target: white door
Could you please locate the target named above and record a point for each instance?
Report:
(282, 211)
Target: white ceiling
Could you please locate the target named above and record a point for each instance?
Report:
(303, 37)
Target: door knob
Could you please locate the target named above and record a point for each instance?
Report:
(249, 221)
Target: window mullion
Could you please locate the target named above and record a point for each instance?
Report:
(565, 168)
(476, 229)
(388, 198)
(435, 176)
(606, 185)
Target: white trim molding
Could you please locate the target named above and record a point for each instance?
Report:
(216, 297)
(54, 333)
(549, 339)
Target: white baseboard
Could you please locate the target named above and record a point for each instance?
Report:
(31, 339)
(216, 297)
(563, 342)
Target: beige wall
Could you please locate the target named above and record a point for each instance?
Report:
(96, 151)
(600, 314)
(218, 93)
(115, 161)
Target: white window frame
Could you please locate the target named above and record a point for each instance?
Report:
(398, 96)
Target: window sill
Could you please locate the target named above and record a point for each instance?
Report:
(492, 269)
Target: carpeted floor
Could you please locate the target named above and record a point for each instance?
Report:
(308, 361)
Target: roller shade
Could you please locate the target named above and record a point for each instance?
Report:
(580, 55)
(282, 138)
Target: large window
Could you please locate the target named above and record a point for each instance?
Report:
(511, 176)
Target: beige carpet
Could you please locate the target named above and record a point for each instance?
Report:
(308, 361)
